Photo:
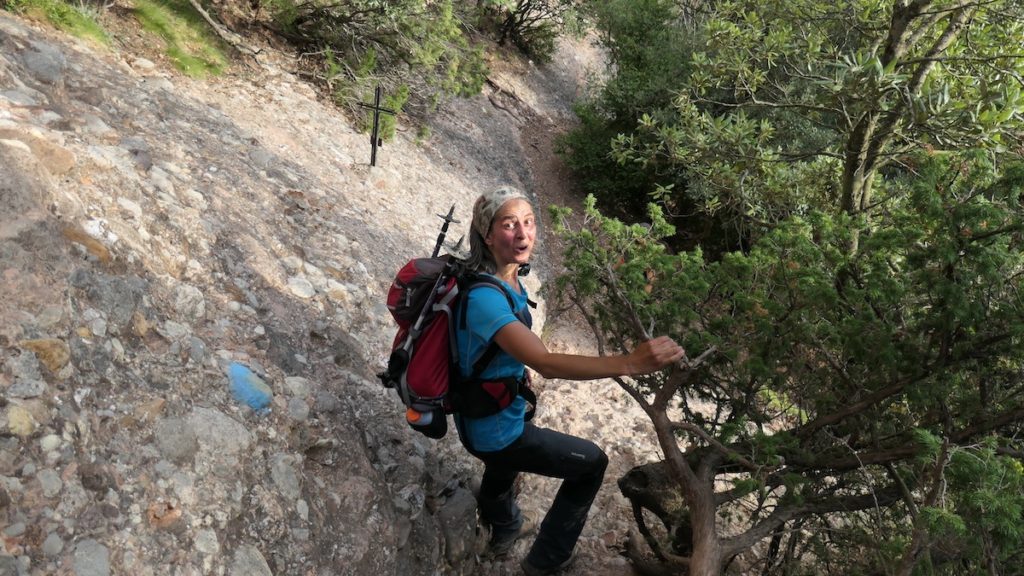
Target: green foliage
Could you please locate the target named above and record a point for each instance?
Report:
(283, 14)
(75, 19)
(789, 106)
(538, 42)
(190, 45)
(533, 26)
(989, 494)
(836, 367)
(744, 486)
(621, 189)
(930, 445)
(650, 53)
(388, 122)
(651, 59)
(980, 515)
(853, 253)
(943, 522)
(423, 134)
(417, 46)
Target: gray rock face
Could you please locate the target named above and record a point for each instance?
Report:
(176, 439)
(139, 151)
(116, 297)
(44, 62)
(222, 440)
(28, 380)
(189, 302)
(91, 360)
(458, 523)
(25, 188)
(284, 471)
(159, 228)
(248, 561)
(53, 545)
(50, 482)
(8, 565)
(91, 559)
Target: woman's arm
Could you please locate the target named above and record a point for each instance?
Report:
(523, 345)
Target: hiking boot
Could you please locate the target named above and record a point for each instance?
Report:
(531, 570)
(501, 544)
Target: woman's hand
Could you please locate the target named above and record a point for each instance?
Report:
(653, 355)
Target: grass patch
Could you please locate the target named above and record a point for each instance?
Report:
(190, 45)
(75, 19)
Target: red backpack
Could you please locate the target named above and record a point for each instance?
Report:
(425, 299)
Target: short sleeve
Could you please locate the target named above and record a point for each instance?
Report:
(488, 311)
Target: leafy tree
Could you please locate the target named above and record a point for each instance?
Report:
(650, 56)
(808, 93)
(414, 45)
(533, 25)
(838, 383)
(860, 371)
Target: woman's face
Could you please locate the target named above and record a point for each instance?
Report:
(513, 231)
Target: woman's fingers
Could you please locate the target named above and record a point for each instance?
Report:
(670, 351)
(679, 354)
(660, 352)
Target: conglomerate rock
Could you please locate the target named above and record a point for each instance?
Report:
(155, 230)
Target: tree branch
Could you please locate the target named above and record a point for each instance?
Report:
(784, 513)
(855, 407)
(754, 102)
(919, 536)
(226, 35)
(725, 450)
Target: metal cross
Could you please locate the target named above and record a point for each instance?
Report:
(375, 139)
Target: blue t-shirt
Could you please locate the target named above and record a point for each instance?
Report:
(487, 311)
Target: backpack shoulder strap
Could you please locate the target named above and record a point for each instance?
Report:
(468, 282)
(474, 280)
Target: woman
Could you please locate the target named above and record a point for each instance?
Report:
(502, 238)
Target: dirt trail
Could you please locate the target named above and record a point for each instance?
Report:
(597, 410)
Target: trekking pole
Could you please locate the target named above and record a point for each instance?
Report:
(444, 230)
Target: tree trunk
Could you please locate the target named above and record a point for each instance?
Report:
(876, 129)
(698, 491)
(857, 171)
(706, 559)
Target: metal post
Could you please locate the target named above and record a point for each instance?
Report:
(375, 139)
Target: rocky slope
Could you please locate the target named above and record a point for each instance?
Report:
(154, 231)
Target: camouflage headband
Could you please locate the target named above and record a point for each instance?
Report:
(488, 204)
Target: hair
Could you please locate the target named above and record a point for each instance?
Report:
(480, 258)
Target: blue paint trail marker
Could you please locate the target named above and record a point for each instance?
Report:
(248, 388)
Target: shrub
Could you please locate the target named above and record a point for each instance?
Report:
(77, 20)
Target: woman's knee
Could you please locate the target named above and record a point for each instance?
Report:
(601, 463)
(597, 461)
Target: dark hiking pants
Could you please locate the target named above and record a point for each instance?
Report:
(549, 453)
